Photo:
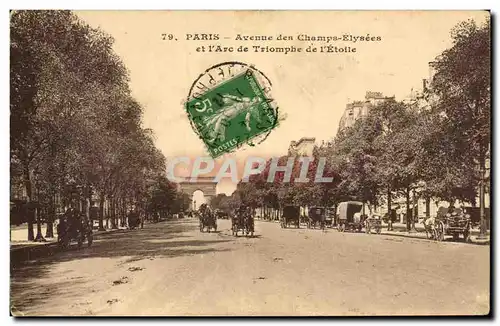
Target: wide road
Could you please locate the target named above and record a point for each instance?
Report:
(170, 268)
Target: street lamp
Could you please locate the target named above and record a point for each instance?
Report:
(418, 188)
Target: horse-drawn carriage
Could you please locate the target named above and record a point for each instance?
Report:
(243, 221)
(373, 223)
(317, 217)
(74, 226)
(221, 214)
(207, 218)
(291, 215)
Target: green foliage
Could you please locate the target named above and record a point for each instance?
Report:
(73, 119)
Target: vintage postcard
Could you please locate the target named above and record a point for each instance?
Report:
(250, 163)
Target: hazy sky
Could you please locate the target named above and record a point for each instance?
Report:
(311, 89)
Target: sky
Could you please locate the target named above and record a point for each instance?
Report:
(311, 89)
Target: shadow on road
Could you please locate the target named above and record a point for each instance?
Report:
(154, 241)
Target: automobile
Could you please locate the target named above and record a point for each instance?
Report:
(456, 223)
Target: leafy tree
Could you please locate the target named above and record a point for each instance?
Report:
(74, 122)
(462, 88)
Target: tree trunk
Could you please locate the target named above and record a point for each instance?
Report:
(482, 219)
(113, 213)
(334, 215)
(39, 237)
(101, 211)
(408, 212)
(389, 209)
(49, 233)
(28, 188)
(414, 212)
(427, 207)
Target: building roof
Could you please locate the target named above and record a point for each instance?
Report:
(375, 95)
(304, 139)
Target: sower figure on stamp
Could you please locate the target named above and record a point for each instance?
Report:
(233, 106)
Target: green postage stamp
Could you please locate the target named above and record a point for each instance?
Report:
(235, 111)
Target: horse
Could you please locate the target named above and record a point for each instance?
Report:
(207, 218)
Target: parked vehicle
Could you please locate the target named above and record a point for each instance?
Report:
(373, 223)
(474, 213)
(330, 215)
(74, 226)
(434, 229)
(291, 215)
(457, 223)
(317, 217)
(350, 217)
(133, 219)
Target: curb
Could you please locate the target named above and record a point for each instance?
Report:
(418, 235)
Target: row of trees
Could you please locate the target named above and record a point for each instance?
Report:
(75, 127)
(435, 147)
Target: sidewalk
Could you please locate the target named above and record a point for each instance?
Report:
(21, 251)
(19, 234)
(399, 229)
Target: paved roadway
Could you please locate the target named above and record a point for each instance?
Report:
(170, 268)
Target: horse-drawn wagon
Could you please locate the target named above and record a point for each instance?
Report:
(317, 217)
(350, 217)
(291, 215)
(243, 221)
(208, 219)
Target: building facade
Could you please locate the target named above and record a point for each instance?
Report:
(302, 147)
(358, 109)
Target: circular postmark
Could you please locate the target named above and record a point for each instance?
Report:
(230, 105)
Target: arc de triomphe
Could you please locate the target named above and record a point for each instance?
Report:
(204, 184)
